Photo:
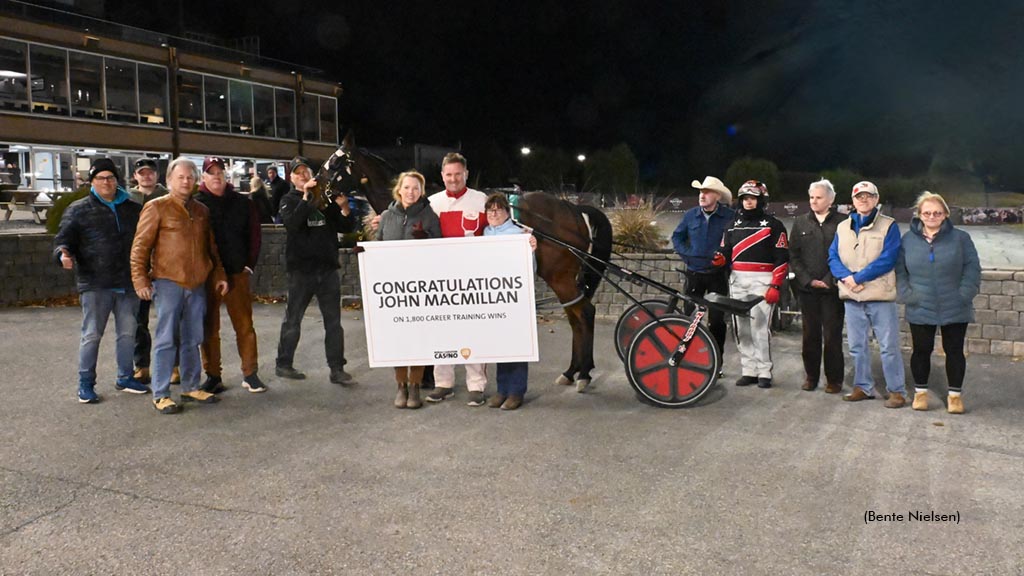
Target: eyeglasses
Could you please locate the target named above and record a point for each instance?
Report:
(936, 214)
(105, 178)
(496, 211)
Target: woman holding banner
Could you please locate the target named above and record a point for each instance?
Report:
(409, 217)
(511, 375)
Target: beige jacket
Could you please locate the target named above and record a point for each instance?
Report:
(858, 250)
(174, 242)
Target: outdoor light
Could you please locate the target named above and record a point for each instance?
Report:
(525, 150)
(581, 157)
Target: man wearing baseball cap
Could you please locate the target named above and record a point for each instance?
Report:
(147, 188)
(863, 260)
(95, 239)
(696, 240)
(312, 222)
(236, 228)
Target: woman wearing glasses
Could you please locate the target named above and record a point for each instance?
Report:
(937, 276)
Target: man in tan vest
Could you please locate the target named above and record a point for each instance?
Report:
(863, 259)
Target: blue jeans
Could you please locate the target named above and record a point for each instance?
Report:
(179, 313)
(96, 308)
(883, 318)
(512, 378)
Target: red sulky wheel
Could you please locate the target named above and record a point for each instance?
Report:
(648, 369)
(636, 317)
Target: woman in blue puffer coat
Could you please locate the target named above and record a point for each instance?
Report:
(937, 276)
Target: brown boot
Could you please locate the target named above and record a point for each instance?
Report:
(834, 388)
(955, 405)
(414, 401)
(809, 385)
(403, 395)
(895, 400)
(920, 401)
(857, 395)
(142, 375)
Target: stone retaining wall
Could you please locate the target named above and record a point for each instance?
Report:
(29, 275)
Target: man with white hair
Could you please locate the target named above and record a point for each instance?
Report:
(173, 254)
(820, 307)
(696, 239)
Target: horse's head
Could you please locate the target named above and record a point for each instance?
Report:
(338, 175)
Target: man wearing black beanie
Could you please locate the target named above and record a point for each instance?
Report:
(95, 240)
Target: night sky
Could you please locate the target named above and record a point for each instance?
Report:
(881, 87)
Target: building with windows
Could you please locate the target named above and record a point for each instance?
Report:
(73, 88)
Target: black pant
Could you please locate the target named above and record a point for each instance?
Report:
(143, 340)
(923, 339)
(302, 286)
(822, 314)
(697, 285)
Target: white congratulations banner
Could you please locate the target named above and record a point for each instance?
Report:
(449, 301)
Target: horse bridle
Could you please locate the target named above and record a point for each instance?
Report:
(336, 171)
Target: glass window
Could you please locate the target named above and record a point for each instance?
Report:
(263, 110)
(13, 75)
(328, 120)
(285, 115)
(310, 117)
(49, 80)
(153, 95)
(190, 100)
(86, 71)
(241, 107)
(215, 97)
(122, 97)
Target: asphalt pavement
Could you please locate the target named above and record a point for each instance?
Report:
(315, 478)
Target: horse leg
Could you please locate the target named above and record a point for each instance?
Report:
(583, 342)
(566, 378)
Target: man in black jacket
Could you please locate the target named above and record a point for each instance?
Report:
(236, 229)
(821, 310)
(278, 188)
(312, 223)
(95, 239)
(147, 188)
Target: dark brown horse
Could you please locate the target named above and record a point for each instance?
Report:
(355, 170)
(573, 280)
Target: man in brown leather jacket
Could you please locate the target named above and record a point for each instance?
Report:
(174, 246)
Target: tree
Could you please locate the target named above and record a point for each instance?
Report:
(843, 181)
(613, 171)
(546, 169)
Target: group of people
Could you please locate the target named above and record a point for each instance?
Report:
(455, 212)
(847, 269)
(188, 251)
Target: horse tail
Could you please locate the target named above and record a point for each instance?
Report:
(600, 249)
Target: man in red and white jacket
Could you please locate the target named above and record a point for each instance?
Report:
(461, 211)
(757, 248)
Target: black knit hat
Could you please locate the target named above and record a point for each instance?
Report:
(103, 165)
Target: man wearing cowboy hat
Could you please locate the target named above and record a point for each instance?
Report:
(696, 239)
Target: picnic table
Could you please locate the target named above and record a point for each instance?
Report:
(35, 201)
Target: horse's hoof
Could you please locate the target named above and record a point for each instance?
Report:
(563, 381)
(581, 385)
